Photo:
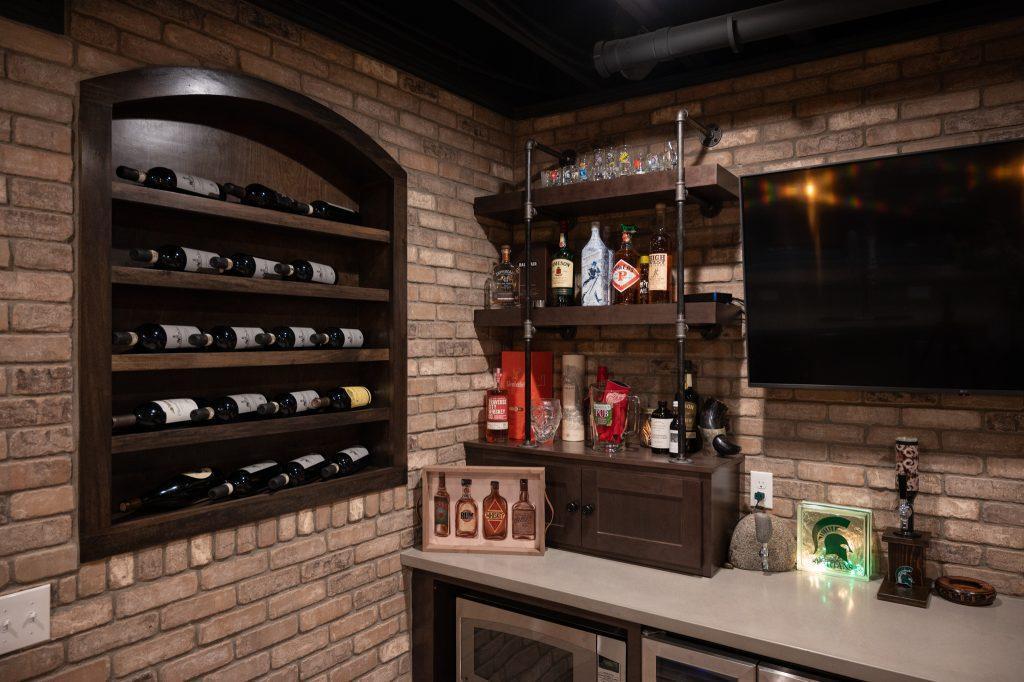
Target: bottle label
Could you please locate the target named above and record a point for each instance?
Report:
(245, 337)
(602, 414)
(177, 409)
(497, 412)
(660, 433)
(248, 402)
(302, 337)
(524, 523)
(307, 461)
(323, 274)
(259, 466)
(353, 338)
(561, 273)
(304, 399)
(263, 268)
(673, 441)
(690, 418)
(197, 185)
(657, 276)
(594, 266)
(466, 520)
(198, 475)
(356, 453)
(359, 395)
(624, 276)
(198, 261)
(177, 335)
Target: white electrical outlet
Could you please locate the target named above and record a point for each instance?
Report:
(24, 618)
(761, 481)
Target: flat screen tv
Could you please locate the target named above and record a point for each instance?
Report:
(901, 273)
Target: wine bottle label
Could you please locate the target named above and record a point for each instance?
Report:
(304, 399)
(259, 466)
(197, 185)
(307, 461)
(497, 412)
(303, 337)
(264, 268)
(353, 338)
(324, 274)
(359, 395)
(245, 337)
(657, 274)
(624, 276)
(198, 261)
(673, 442)
(561, 273)
(200, 475)
(248, 402)
(177, 335)
(356, 453)
(660, 433)
(690, 415)
(177, 409)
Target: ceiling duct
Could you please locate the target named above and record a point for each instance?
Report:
(635, 57)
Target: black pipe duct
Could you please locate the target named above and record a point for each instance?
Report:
(635, 57)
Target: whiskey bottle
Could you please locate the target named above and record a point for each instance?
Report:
(625, 275)
(496, 430)
(495, 512)
(230, 407)
(673, 431)
(524, 515)
(691, 407)
(442, 525)
(658, 278)
(661, 423)
(244, 265)
(505, 281)
(465, 513)
(171, 257)
(228, 338)
(288, 404)
(563, 279)
(159, 177)
(349, 397)
(264, 197)
(307, 271)
(165, 412)
(594, 269)
(179, 491)
(338, 337)
(158, 337)
(291, 337)
(346, 462)
(246, 481)
(298, 471)
(642, 291)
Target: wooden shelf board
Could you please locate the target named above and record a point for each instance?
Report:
(192, 435)
(148, 277)
(708, 182)
(148, 362)
(697, 313)
(138, 194)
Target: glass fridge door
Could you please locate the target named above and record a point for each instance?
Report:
(666, 659)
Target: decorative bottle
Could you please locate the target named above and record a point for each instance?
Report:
(524, 515)
(465, 512)
(594, 269)
(495, 512)
(442, 507)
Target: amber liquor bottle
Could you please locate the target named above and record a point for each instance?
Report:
(524, 515)
(442, 507)
(465, 513)
(495, 515)
(497, 411)
(659, 272)
(625, 271)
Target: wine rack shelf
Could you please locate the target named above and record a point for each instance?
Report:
(151, 362)
(698, 313)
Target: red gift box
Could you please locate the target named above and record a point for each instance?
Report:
(513, 373)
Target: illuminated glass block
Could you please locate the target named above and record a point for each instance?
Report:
(834, 540)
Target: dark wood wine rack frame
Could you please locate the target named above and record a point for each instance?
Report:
(289, 142)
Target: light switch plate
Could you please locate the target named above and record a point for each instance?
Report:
(761, 481)
(24, 618)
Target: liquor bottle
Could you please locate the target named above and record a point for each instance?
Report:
(594, 269)
(346, 462)
(288, 404)
(158, 337)
(244, 265)
(230, 407)
(562, 278)
(349, 397)
(497, 411)
(625, 275)
(661, 423)
(159, 177)
(181, 490)
(465, 513)
(300, 470)
(339, 337)
(228, 338)
(442, 507)
(645, 267)
(658, 277)
(291, 337)
(247, 480)
(524, 515)
(691, 407)
(165, 412)
(339, 214)
(495, 513)
(264, 197)
(171, 257)
(673, 431)
(307, 271)
(505, 281)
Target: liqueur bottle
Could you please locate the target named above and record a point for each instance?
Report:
(594, 269)
(691, 405)
(661, 422)
(563, 279)
(505, 281)
(180, 490)
(246, 481)
(288, 404)
(244, 265)
(231, 407)
(165, 412)
(291, 337)
(625, 274)
(465, 512)
(497, 411)
(227, 338)
(338, 337)
(349, 397)
(159, 337)
(307, 271)
(346, 462)
(658, 278)
(172, 257)
(298, 471)
(442, 522)
(495, 513)
(159, 177)
(642, 292)
(673, 431)
(524, 515)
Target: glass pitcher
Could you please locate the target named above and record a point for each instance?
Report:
(614, 417)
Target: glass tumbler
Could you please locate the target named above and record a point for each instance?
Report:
(546, 416)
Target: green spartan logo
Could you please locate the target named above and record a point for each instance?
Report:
(905, 576)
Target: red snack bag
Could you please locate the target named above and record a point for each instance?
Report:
(613, 426)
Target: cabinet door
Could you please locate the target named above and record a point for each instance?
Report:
(645, 517)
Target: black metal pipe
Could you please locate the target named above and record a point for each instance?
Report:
(681, 117)
(527, 302)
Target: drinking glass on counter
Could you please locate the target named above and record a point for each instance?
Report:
(547, 415)
(614, 415)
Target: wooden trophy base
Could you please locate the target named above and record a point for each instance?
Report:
(906, 552)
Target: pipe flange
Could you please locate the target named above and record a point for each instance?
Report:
(712, 137)
(730, 32)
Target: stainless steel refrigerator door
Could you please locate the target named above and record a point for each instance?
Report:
(668, 661)
(771, 673)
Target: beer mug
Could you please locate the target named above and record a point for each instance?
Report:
(613, 418)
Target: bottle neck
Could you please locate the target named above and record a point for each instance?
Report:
(627, 240)
(689, 380)
(561, 240)
(506, 256)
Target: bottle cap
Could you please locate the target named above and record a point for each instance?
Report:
(494, 484)
(645, 260)
(662, 403)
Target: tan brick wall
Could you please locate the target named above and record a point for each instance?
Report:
(318, 594)
(836, 446)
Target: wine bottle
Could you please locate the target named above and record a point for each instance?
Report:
(264, 197)
(292, 337)
(298, 471)
(307, 271)
(247, 480)
(346, 462)
(165, 412)
(228, 338)
(690, 409)
(159, 177)
(349, 397)
(159, 337)
(339, 214)
(231, 407)
(180, 490)
(338, 337)
(124, 340)
(171, 257)
(244, 265)
(291, 403)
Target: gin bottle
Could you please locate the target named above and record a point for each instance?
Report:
(594, 268)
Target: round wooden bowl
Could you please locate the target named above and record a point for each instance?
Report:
(968, 591)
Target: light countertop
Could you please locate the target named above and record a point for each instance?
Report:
(832, 624)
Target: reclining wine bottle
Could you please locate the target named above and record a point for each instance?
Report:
(300, 470)
(346, 462)
(159, 337)
(307, 271)
(230, 407)
(165, 412)
(288, 404)
(349, 397)
(338, 337)
(246, 481)
(172, 257)
(264, 197)
(163, 178)
(291, 337)
(339, 214)
(244, 265)
(227, 338)
(181, 490)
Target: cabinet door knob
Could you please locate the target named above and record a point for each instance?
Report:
(588, 509)
(572, 507)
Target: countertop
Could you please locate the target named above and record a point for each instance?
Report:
(832, 624)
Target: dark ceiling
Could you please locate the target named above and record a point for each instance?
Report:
(532, 57)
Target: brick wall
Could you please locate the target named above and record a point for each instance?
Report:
(835, 446)
(317, 594)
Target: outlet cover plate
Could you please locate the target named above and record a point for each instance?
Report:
(761, 480)
(24, 618)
